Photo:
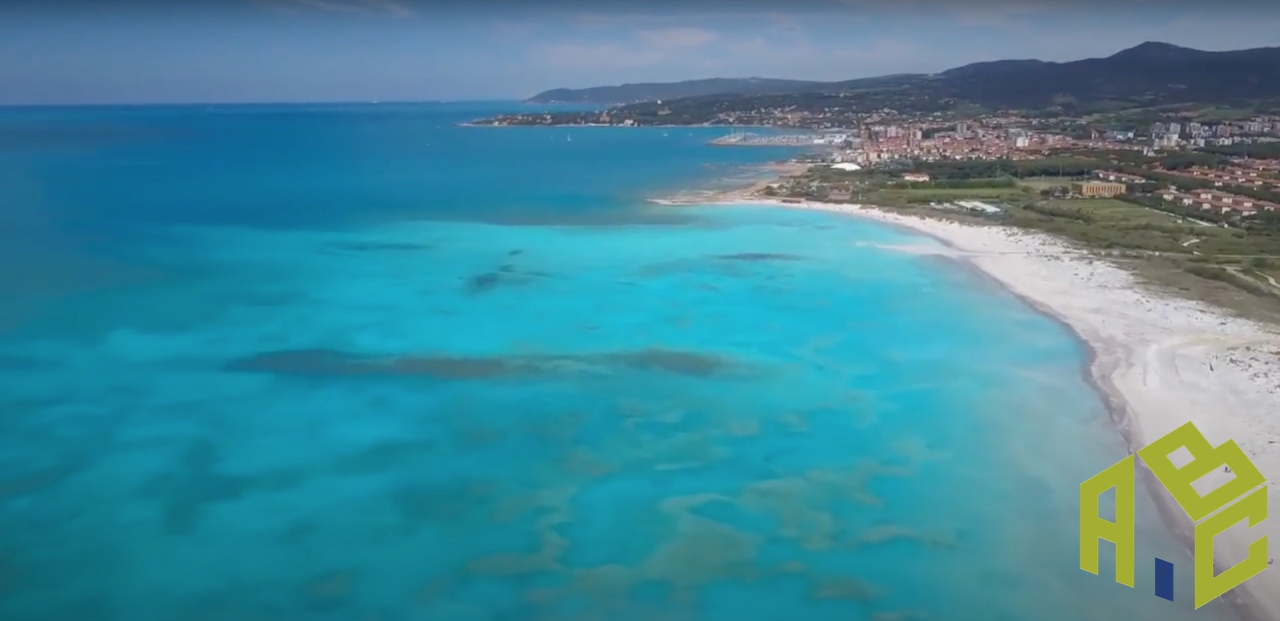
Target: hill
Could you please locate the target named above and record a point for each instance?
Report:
(1151, 70)
(632, 93)
(1147, 75)
(1155, 72)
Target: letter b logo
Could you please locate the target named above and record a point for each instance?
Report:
(1213, 512)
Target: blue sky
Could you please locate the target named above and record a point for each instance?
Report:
(396, 50)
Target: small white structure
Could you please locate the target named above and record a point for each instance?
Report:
(979, 206)
(850, 166)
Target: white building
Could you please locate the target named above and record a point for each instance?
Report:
(979, 206)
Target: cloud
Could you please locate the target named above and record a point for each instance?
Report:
(677, 37)
(506, 29)
(368, 7)
(597, 56)
(677, 53)
(1201, 28)
(997, 14)
(644, 48)
(835, 62)
(390, 7)
(660, 16)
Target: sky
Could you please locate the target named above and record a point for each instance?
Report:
(223, 51)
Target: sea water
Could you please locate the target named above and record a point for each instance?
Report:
(360, 362)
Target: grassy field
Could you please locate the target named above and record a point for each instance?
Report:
(926, 195)
(1226, 267)
(1172, 275)
(1109, 224)
(1110, 211)
(1114, 224)
(1233, 268)
(1223, 114)
(1065, 160)
(1040, 183)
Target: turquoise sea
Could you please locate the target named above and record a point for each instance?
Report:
(275, 363)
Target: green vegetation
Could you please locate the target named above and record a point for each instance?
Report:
(1243, 259)
(606, 95)
(1258, 150)
(1058, 166)
(1117, 224)
(1044, 183)
(1236, 266)
(1139, 118)
(1231, 277)
(1107, 223)
(1216, 114)
(924, 195)
(1186, 182)
(1149, 77)
(959, 184)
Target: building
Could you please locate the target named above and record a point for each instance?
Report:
(1212, 200)
(1097, 189)
(979, 206)
(915, 177)
(1232, 176)
(1107, 175)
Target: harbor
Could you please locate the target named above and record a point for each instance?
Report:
(749, 139)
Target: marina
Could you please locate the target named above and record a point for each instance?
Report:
(745, 139)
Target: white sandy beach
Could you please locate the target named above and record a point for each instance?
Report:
(1162, 361)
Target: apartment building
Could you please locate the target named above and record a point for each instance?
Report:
(1107, 175)
(1222, 202)
(1097, 189)
(1232, 176)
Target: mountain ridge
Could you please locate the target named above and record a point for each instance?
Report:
(654, 91)
(1150, 69)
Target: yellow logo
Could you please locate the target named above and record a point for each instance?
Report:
(1243, 497)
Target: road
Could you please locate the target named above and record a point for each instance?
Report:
(1275, 286)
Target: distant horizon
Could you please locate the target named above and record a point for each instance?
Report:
(72, 52)
(335, 102)
(524, 99)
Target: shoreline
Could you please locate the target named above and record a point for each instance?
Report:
(1156, 360)
(664, 126)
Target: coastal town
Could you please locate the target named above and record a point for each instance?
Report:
(1195, 205)
(1018, 137)
(1184, 158)
(1203, 166)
